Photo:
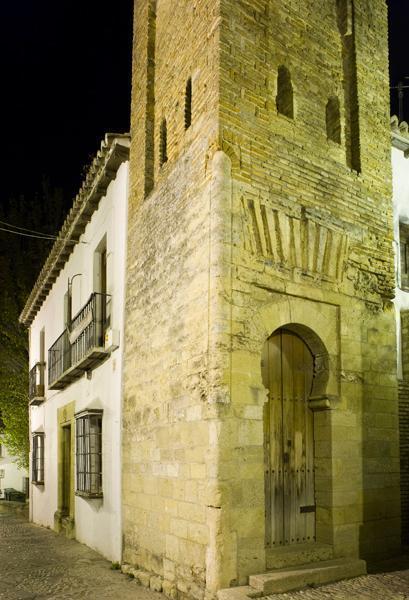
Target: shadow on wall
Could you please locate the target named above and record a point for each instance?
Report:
(380, 533)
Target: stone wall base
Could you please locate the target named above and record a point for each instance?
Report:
(404, 457)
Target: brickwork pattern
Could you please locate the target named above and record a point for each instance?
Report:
(289, 164)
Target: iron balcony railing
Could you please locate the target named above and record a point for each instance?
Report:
(36, 383)
(81, 345)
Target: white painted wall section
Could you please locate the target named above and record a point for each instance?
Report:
(97, 521)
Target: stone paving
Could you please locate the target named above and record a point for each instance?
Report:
(386, 586)
(392, 585)
(36, 563)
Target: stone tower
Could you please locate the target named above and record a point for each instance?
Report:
(260, 413)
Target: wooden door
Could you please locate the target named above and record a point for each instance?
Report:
(66, 469)
(287, 367)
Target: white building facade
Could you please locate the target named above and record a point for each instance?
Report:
(11, 475)
(75, 319)
(400, 174)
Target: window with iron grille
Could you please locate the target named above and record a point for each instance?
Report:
(89, 453)
(38, 459)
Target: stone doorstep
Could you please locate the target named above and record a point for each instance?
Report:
(297, 554)
(280, 581)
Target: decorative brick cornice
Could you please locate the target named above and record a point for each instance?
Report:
(400, 135)
(113, 152)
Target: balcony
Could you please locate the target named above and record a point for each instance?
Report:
(36, 384)
(81, 347)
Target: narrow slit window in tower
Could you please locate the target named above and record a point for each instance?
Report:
(346, 25)
(285, 99)
(163, 143)
(188, 104)
(150, 99)
(333, 120)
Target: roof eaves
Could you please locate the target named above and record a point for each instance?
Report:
(113, 152)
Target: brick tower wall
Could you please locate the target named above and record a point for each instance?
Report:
(310, 247)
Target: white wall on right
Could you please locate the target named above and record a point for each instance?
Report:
(400, 175)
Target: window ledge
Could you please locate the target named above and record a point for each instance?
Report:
(89, 495)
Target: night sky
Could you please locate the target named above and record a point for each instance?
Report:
(66, 67)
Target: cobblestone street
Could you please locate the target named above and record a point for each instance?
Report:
(385, 586)
(36, 563)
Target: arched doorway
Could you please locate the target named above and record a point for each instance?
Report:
(288, 372)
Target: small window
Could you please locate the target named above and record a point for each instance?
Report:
(333, 120)
(38, 459)
(89, 453)
(188, 104)
(404, 255)
(285, 100)
(163, 143)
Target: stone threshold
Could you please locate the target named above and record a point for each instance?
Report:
(297, 554)
(298, 577)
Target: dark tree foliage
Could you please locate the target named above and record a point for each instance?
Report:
(21, 259)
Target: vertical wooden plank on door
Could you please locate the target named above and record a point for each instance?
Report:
(288, 432)
(287, 369)
(265, 374)
(276, 436)
(299, 440)
(310, 517)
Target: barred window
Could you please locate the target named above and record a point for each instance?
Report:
(89, 453)
(38, 459)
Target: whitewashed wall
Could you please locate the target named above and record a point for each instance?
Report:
(97, 521)
(400, 173)
(13, 475)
